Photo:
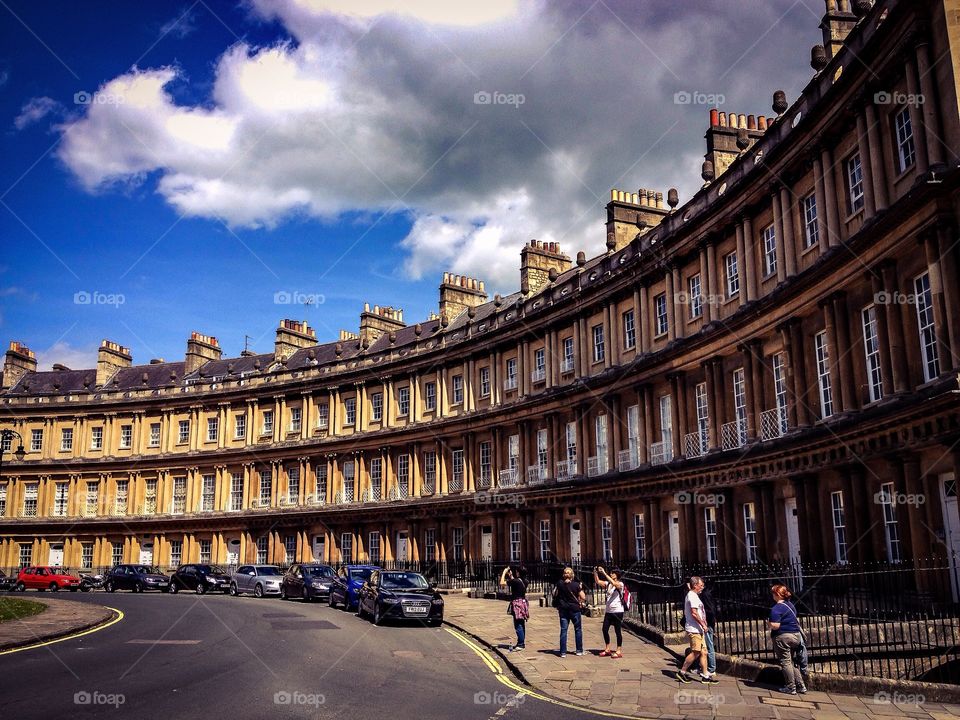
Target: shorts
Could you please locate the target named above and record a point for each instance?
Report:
(696, 642)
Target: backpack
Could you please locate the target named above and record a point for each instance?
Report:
(625, 597)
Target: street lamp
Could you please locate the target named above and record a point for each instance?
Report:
(7, 436)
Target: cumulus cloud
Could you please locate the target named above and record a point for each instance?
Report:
(35, 110)
(380, 112)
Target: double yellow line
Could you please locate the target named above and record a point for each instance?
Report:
(117, 618)
(498, 672)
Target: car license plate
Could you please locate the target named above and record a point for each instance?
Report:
(416, 611)
(163, 584)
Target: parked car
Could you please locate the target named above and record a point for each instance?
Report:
(400, 595)
(46, 578)
(7, 582)
(348, 581)
(307, 581)
(136, 578)
(200, 579)
(259, 580)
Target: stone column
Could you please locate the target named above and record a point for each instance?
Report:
(713, 427)
(778, 238)
(833, 354)
(883, 334)
(916, 119)
(866, 166)
(789, 243)
(747, 350)
(878, 176)
(676, 390)
(851, 400)
(748, 260)
(677, 318)
(832, 208)
(823, 230)
(931, 124)
(671, 314)
(891, 309)
(711, 284)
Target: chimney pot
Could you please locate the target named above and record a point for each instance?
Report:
(714, 118)
(751, 122)
(723, 119)
(761, 123)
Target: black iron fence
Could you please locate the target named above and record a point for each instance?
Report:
(891, 620)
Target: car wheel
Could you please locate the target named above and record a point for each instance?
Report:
(54, 587)
(233, 589)
(377, 614)
(20, 587)
(258, 591)
(201, 588)
(173, 587)
(138, 588)
(109, 587)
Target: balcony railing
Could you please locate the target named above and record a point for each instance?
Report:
(429, 484)
(773, 423)
(483, 479)
(627, 460)
(456, 482)
(538, 375)
(566, 365)
(596, 465)
(315, 499)
(566, 469)
(510, 383)
(733, 434)
(536, 474)
(696, 444)
(400, 491)
(508, 478)
(661, 452)
(323, 423)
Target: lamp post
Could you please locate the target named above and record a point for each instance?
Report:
(7, 436)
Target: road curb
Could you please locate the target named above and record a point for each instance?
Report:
(104, 617)
(513, 668)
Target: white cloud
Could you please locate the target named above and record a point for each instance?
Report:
(35, 110)
(183, 24)
(75, 358)
(374, 116)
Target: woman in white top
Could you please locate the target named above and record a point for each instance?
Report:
(613, 584)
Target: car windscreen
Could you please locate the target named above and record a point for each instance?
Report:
(360, 574)
(266, 570)
(319, 571)
(403, 581)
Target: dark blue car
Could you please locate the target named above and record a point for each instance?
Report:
(347, 583)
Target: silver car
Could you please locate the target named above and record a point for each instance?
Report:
(257, 580)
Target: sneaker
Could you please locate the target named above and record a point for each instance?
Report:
(787, 690)
(682, 676)
(709, 680)
(802, 690)
(579, 652)
(563, 655)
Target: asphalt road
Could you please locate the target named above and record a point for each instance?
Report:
(222, 657)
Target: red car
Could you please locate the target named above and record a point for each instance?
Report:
(46, 578)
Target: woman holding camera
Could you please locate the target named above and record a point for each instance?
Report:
(515, 580)
(613, 585)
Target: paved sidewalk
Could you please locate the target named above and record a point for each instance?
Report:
(62, 617)
(642, 683)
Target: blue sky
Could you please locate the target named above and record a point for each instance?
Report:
(232, 153)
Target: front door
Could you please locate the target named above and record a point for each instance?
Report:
(56, 555)
(319, 548)
(146, 554)
(574, 541)
(793, 538)
(951, 527)
(674, 535)
(486, 543)
(402, 552)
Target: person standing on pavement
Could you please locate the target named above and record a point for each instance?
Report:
(710, 611)
(695, 623)
(569, 599)
(785, 631)
(515, 580)
(613, 586)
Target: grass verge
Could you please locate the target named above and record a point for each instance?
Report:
(15, 608)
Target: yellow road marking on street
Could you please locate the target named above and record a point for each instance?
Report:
(494, 666)
(118, 618)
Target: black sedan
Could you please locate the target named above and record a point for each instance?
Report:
(137, 578)
(307, 581)
(200, 579)
(400, 595)
(7, 582)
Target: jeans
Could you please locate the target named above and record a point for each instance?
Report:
(566, 617)
(711, 653)
(521, 627)
(615, 620)
(785, 644)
